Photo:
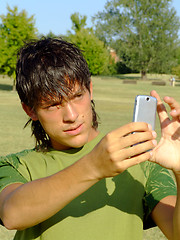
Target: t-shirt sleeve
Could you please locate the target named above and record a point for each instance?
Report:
(159, 184)
(9, 172)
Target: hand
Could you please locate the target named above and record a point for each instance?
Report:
(121, 149)
(167, 152)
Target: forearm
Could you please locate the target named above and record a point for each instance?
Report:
(36, 201)
(176, 218)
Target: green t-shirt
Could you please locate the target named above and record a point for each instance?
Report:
(114, 208)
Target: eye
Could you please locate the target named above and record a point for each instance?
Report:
(53, 107)
(79, 95)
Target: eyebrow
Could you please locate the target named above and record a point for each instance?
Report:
(59, 100)
(80, 90)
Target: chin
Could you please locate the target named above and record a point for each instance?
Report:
(79, 143)
(72, 142)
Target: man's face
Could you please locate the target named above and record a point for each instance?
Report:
(68, 123)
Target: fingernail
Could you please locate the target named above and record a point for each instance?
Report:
(154, 134)
(154, 142)
(149, 126)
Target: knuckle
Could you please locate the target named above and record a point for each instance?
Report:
(131, 126)
(145, 125)
(142, 157)
(114, 158)
(120, 167)
(138, 159)
(134, 137)
(108, 137)
(140, 126)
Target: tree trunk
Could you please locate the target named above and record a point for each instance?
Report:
(143, 75)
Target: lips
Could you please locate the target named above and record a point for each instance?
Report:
(74, 130)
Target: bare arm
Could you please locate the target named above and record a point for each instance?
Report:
(167, 154)
(163, 214)
(31, 203)
(25, 205)
(176, 219)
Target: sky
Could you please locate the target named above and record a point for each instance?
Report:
(54, 15)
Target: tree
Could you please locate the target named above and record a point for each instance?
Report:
(94, 50)
(78, 21)
(143, 32)
(16, 28)
(50, 34)
(176, 71)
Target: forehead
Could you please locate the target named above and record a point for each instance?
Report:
(61, 95)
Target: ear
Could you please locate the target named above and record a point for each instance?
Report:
(30, 112)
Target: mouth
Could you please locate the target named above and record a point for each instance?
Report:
(74, 130)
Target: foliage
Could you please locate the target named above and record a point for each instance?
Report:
(49, 35)
(176, 71)
(78, 21)
(123, 69)
(94, 50)
(111, 69)
(143, 32)
(16, 28)
(178, 55)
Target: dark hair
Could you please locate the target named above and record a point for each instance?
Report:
(49, 68)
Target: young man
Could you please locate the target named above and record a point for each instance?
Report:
(78, 183)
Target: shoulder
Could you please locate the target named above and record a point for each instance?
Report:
(13, 158)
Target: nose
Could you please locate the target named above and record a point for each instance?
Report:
(70, 113)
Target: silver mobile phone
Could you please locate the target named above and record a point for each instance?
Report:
(145, 109)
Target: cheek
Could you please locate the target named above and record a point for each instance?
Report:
(49, 120)
(86, 105)
(87, 112)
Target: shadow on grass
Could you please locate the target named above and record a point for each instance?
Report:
(6, 87)
(125, 77)
(120, 77)
(129, 77)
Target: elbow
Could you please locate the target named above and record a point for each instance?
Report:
(11, 225)
(10, 213)
(11, 220)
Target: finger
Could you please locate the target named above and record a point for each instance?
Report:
(133, 139)
(162, 112)
(138, 149)
(130, 128)
(155, 94)
(175, 113)
(135, 160)
(133, 151)
(174, 105)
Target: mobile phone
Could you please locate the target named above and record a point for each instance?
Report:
(145, 109)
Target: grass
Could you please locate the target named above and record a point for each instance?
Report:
(114, 104)
(115, 100)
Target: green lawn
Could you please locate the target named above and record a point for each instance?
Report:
(114, 104)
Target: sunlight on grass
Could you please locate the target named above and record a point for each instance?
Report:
(114, 103)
